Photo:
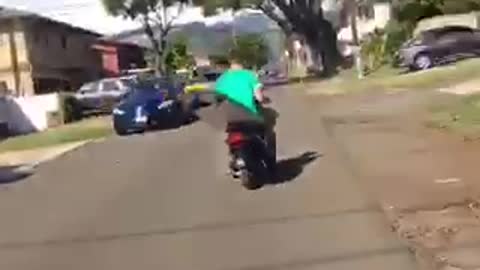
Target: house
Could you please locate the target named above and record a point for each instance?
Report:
(370, 16)
(117, 57)
(39, 55)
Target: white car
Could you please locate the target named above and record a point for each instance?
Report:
(101, 96)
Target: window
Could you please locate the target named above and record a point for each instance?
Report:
(366, 12)
(46, 41)
(110, 86)
(63, 41)
(89, 88)
(126, 83)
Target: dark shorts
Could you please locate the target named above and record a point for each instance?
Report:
(220, 114)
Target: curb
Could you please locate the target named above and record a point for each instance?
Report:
(29, 166)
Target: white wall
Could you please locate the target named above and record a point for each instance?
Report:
(382, 16)
(469, 20)
(29, 114)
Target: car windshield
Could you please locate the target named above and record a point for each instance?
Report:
(88, 86)
(213, 76)
(150, 88)
(130, 82)
(152, 84)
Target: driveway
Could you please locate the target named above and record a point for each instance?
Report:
(163, 201)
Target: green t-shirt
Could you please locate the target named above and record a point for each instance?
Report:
(239, 86)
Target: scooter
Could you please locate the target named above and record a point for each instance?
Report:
(252, 153)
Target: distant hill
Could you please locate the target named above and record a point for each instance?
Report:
(211, 39)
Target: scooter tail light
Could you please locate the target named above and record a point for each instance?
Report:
(235, 139)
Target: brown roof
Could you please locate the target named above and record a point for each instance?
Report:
(11, 13)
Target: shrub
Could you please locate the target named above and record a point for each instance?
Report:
(251, 50)
(70, 109)
(395, 35)
(373, 51)
(178, 57)
(381, 47)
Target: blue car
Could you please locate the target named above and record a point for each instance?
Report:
(152, 103)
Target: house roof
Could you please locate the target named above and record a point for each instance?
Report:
(12, 13)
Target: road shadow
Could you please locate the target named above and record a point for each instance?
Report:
(289, 169)
(12, 174)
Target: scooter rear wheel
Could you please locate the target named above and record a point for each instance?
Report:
(248, 180)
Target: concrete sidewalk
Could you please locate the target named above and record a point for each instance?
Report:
(426, 181)
(16, 165)
(37, 155)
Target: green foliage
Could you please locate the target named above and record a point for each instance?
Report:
(130, 8)
(305, 18)
(411, 11)
(395, 35)
(85, 130)
(406, 14)
(70, 109)
(382, 46)
(178, 57)
(153, 16)
(250, 50)
(373, 51)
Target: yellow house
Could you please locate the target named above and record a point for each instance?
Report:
(39, 55)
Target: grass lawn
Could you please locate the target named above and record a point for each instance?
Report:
(461, 117)
(80, 131)
(389, 79)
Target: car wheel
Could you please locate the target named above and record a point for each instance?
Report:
(119, 130)
(423, 61)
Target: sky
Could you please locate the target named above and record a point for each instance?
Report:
(90, 14)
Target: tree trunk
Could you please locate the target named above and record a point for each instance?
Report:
(318, 32)
(155, 45)
(163, 54)
(322, 40)
(330, 54)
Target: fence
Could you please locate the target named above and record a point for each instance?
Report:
(28, 114)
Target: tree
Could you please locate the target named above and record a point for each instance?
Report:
(303, 17)
(153, 16)
(251, 50)
(178, 57)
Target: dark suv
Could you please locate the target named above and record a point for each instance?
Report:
(439, 46)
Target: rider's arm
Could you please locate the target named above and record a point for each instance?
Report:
(258, 88)
(259, 96)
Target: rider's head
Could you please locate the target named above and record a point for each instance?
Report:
(235, 63)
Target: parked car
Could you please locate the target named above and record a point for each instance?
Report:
(438, 46)
(152, 103)
(203, 80)
(272, 77)
(101, 96)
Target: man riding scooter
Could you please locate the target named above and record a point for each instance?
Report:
(244, 98)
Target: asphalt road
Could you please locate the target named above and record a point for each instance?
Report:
(163, 201)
